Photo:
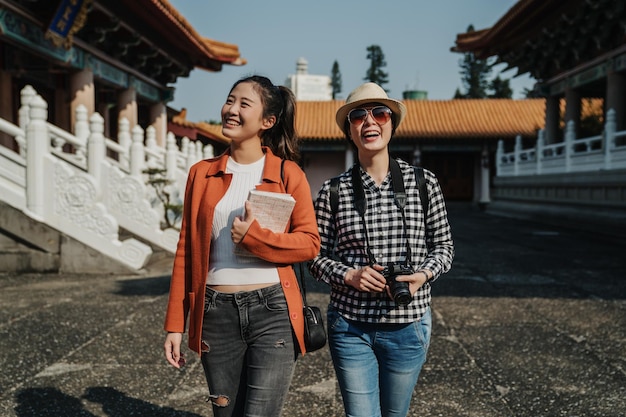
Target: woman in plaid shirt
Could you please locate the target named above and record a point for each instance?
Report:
(379, 345)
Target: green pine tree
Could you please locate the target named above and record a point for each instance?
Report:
(500, 88)
(474, 74)
(375, 71)
(335, 79)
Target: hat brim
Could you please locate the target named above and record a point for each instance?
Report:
(397, 108)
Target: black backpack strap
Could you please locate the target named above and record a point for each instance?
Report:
(282, 171)
(421, 185)
(334, 194)
(399, 195)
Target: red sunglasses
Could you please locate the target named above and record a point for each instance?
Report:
(380, 114)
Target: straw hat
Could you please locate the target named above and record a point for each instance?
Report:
(369, 93)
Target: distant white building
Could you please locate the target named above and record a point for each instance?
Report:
(308, 87)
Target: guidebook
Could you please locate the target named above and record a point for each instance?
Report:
(272, 210)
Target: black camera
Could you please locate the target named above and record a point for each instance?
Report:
(399, 289)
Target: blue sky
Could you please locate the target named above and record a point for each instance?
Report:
(414, 35)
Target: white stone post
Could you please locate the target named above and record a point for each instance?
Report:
(570, 137)
(184, 146)
(539, 150)
(123, 138)
(499, 156)
(137, 153)
(151, 144)
(609, 137)
(191, 155)
(96, 148)
(171, 151)
(26, 96)
(516, 154)
(38, 146)
(81, 131)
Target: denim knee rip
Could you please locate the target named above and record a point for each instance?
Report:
(219, 400)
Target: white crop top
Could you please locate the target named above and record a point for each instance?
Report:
(225, 267)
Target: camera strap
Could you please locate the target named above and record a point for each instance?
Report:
(399, 196)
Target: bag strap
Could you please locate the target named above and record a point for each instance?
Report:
(300, 268)
(421, 184)
(399, 195)
(282, 171)
(334, 194)
(302, 282)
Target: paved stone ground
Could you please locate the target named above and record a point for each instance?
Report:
(531, 321)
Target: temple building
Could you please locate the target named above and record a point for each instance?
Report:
(90, 152)
(576, 50)
(117, 58)
(575, 169)
(86, 131)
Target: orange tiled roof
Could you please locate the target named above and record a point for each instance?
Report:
(432, 119)
(181, 119)
(212, 131)
(469, 118)
(315, 120)
(208, 130)
(426, 119)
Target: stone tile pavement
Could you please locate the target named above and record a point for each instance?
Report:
(531, 321)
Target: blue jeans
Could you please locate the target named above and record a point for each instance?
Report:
(248, 352)
(377, 365)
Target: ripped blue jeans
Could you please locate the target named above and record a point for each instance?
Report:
(248, 351)
(377, 365)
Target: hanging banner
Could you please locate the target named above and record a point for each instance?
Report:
(69, 18)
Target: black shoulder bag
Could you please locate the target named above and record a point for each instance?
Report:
(314, 331)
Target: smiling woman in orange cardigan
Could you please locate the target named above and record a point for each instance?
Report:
(301, 244)
(243, 313)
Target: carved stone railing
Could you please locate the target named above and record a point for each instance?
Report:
(602, 152)
(88, 186)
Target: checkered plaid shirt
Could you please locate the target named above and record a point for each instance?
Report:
(433, 250)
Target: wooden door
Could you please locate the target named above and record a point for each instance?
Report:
(455, 172)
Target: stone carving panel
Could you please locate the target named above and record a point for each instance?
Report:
(76, 200)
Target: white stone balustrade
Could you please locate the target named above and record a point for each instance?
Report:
(601, 152)
(87, 185)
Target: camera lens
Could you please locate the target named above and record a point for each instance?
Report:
(399, 289)
(400, 292)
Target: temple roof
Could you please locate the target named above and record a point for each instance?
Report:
(426, 119)
(180, 126)
(546, 38)
(149, 37)
(435, 119)
(206, 53)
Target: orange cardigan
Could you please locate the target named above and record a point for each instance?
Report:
(206, 184)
